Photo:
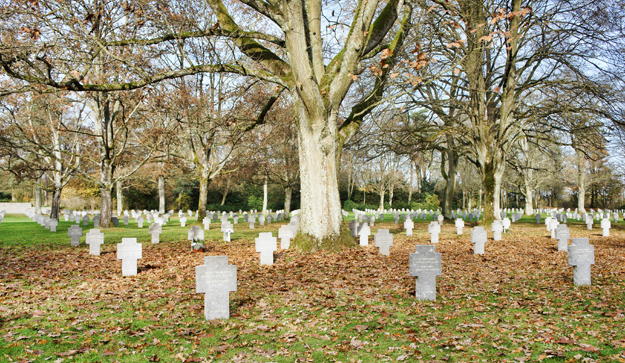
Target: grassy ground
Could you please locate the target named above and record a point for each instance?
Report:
(515, 303)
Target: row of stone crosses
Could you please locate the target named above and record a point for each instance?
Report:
(216, 278)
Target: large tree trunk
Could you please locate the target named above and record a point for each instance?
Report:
(204, 181)
(382, 192)
(450, 178)
(120, 196)
(161, 194)
(529, 200)
(37, 199)
(56, 203)
(265, 196)
(288, 193)
(321, 216)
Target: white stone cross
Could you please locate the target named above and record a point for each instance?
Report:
(384, 241)
(251, 220)
(75, 232)
(425, 264)
(589, 223)
(94, 239)
(266, 244)
(53, 224)
(155, 230)
(497, 228)
(478, 238)
(441, 218)
(581, 255)
(364, 231)
(408, 226)
(506, 224)
(126, 219)
(227, 229)
(285, 233)
(562, 235)
(183, 220)
(434, 229)
(129, 251)
(605, 226)
(195, 233)
(207, 222)
(216, 279)
(553, 224)
(459, 226)
(140, 221)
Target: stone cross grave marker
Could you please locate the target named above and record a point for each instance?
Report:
(581, 255)
(562, 235)
(605, 226)
(224, 218)
(140, 221)
(235, 219)
(94, 239)
(85, 220)
(371, 221)
(364, 231)
(215, 217)
(478, 238)
(266, 244)
(269, 218)
(227, 229)
(75, 232)
(261, 220)
(459, 226)
(126, 218)
(196, 233)
(207, 222)
(408, 226)
(506, 224)
(183, 220)
(589, 223)
(353, 227)
(53, 224)
(553, 224)
(425, 265)
(155, 230)
(129, 251)
(384, 241)
(497, 228)
(441, 218)
(434, 228)
(251, 220)
(115, 221)
(96, 221)
(216, 279)
(285, 233)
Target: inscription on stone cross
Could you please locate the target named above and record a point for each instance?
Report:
(94, 239)
(75, 232)
(425, 265)
(216, 279)
(129, 251)
(581, 256)
(383, 240)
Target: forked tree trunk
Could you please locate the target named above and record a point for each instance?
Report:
(161, 194)
(288, 193)
(321, 216)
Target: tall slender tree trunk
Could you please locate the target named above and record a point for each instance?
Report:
(37, 199)
(56, 204)
(470, 201)
(449, 173)
(265, 195)
(204, 181)
(226, 191)
(288, 193)
(581, 183)
(161, 194)
(390, 195)
(410, 183)
(382, 192)
(45, 190)
(529, 200)
(120, 196)
(106, 193)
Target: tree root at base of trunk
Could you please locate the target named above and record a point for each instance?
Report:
(306, 243)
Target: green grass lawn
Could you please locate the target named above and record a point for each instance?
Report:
(515, 303)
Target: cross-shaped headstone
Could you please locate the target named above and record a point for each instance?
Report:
(364, 231)
(196, 233)
(126, 218)
(605, 226)
(183, 220)
(129, 251)
(94, 239)
(434, 228)
(589, 221)
(216, 279)
(384, 241)
(261, 220)
(425, 265)
(285, 233)
(562, 235)
(441, 218)
(140, 221)
(227, 229)
(53, 224)
(115, 221)
(85, 220)
(478, 238)
(506, 224)
(497, 228)
(266, 244)
(581, 255)
(459, 226)
(75, 232)
(155, 230)
(408, 226)
(251, 220)
(353, 227)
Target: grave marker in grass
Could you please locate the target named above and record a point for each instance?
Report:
(425, 264)
(129, 251)
(581, 256)
(216, 279)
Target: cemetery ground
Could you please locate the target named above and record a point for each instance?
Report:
(515, 303)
